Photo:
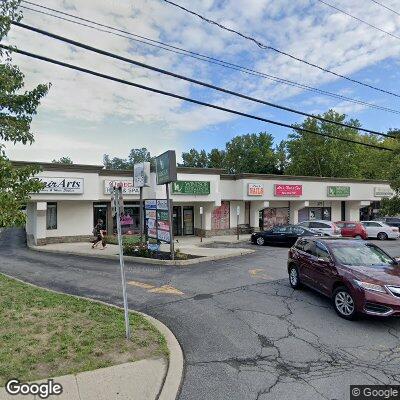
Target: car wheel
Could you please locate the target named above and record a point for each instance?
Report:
(382, 236)
(294, 278)
(358, 237)
(344, 303)
(260, 241)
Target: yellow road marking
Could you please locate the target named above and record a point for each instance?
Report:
(164, 289)
(141, 284)
(258, 273)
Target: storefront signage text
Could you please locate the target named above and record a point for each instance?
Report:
(127, 186)
(338, 191)
(383, 192)
(288, 190)
(166, 167)
(61, 185)
(191, 187)
(255, 189)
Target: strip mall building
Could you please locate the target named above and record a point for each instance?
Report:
(76, 196)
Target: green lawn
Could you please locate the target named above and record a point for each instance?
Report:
(45, 334)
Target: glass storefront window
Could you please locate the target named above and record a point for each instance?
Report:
(130, 220)
(315, 213)
(51, 216)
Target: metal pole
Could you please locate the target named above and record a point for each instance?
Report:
(237, 225)
(171, 243)
(141, 215)
(201, 227)
(121, 262)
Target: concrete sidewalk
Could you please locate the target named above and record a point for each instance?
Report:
(140, 380)
(187, 245)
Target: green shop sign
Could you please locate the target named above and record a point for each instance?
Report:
(191, 187)
(166, 167)
(338, 191)
(162, 215)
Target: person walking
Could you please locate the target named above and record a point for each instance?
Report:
(98, 232)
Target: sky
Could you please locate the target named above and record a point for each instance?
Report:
(85, 117)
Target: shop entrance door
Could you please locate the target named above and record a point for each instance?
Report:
(100, 212)
(177, 220)
(188, 220)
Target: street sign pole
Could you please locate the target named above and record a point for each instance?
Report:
(171, 243)
(118, 199)
(141, 215)
(237, 220)
(201, 224)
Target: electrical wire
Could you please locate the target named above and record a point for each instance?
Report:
(267, 47)
(188, 99)
(384, 6)
(195, 81)
(359, 19)
(198, 56)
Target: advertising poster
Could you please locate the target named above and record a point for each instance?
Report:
(141, 174)
(152, 233)
(163, 236)
(150, 204)
(162, 205)
(163, 225)
(151, 214)
(220, 216)
(151, 223)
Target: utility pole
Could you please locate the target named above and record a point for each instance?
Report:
(171, 237)
(119, 207)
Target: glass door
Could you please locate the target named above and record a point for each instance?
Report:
(177, 220)
(188, 220)
(100, 212)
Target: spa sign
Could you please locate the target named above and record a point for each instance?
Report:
(127, 186)
(191, 187)
(62, 185)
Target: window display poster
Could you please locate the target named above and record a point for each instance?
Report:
(220, 216)
(275, 216)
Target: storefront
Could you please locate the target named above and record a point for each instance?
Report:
(205, 201)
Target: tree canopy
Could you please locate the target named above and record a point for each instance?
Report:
(135, 156)
(63, 160)
(17, 107)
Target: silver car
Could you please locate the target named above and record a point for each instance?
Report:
(327, 228)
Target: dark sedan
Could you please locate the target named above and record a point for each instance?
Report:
(358, 276)
(283, 235)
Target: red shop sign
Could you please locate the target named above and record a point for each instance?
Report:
(288, 190)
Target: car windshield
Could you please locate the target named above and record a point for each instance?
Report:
(362, 254)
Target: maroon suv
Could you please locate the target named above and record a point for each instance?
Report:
(358, 276)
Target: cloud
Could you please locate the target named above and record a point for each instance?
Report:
(304, 28)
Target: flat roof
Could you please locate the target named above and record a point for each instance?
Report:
(190, 170)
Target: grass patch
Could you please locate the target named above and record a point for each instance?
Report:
(45, 334)
(126, 239)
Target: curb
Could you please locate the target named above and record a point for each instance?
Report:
(142, 260)
(173, 378)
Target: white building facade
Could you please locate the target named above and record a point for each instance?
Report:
(205, 201)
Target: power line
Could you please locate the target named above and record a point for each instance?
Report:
(267, 47)
(384, 6)
(195, 81)
(188, 99)
(198, 56)
(359, 19)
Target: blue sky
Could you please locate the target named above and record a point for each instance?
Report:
(84, 117)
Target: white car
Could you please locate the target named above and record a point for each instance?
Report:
(380, 230)
(327, 228)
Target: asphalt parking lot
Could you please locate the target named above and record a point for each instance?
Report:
(244, 332)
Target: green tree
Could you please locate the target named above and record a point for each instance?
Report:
(194, 158)
(63, 160)
(17, 108)
(281, 157)
(216, 158)
(135, 156)
(251, 153)
(310, 154)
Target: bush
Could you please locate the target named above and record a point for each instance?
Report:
(127, 239)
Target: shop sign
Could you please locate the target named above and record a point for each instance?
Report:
(164, 236)
(162, 215)
(151, 214)
(166, 167)
(126, 184)
(163, 225)
(201, 188)
(162, 205)
(288, 190)
(151, 223)
(141, 174)
(61, 185)
(152, 233)
(255, 189)
(150, 204)
(153, 247)
(383, 192)
(338, 191)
